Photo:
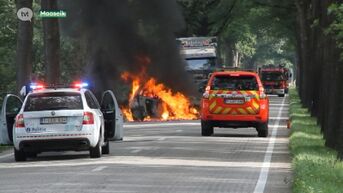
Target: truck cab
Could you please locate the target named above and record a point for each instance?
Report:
(275, 79)
(201, 57)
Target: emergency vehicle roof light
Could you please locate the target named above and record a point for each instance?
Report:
(36, 86)
(80, 85)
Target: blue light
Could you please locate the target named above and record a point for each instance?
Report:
(81, 85)
(84, 84)
(35, 86)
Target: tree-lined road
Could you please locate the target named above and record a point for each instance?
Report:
(165, 157)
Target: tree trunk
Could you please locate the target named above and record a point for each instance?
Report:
(24, 47)
(51, 44)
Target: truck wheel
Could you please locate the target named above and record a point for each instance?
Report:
(19, 155)
(262, 129)
(206, 128)
(106, 148)
(281, 95)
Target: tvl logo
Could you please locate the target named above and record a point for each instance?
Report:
(25, 14)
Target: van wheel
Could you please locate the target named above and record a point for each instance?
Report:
(106, 148)
(95, 152)
(206, 128)
(19, 155)
(262, 129)
(281, 95)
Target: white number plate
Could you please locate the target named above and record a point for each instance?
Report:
(53, 120)
(234, 101)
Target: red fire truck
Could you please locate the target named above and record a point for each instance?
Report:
(275, 79)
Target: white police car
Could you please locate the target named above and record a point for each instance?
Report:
(61, 119)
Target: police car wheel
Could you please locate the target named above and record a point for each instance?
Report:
(206, 128)
(31, 154)
(19, 155)
(106, 148)
(95, 152)
(262, 129)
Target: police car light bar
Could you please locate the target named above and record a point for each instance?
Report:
(80, 85)
(36, 86)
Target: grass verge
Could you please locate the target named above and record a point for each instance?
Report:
(316, 169)
(4, 147)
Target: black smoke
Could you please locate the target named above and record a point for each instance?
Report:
(118, 32)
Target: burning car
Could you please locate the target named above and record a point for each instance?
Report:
(149, 100)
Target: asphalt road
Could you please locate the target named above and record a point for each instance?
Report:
(165, 157)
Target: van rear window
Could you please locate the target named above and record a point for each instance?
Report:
(226, 82)
(53, 101)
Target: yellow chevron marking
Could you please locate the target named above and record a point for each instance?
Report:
(212, 94)
(257, 97)
(233, 112)
(213, 105)
(242, 111)
(218, 110)
(251, 111)
(226, 111)
(257, 106)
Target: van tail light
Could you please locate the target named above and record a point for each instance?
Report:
(19, 121)
(88, 118)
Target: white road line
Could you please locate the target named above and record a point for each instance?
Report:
(262, 179)
(161, 139)
(161, 125)
(278, 118)
(143, 161)
(136, 151)
(282, 105)
(97, 169)
(7, 155)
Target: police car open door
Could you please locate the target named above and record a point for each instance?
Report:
(10, 108)
(112, 115)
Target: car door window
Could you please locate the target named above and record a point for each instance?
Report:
(13, 105)
(107, 103)
(92, 103)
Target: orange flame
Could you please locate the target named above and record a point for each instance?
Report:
(174, 105)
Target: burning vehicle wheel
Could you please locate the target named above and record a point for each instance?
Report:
(138, 114)
(206, 128)
(144, 107)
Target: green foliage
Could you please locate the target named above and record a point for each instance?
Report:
(316, 168)
(336, 28)
(8, 31)
(260, 31)
(4, 147)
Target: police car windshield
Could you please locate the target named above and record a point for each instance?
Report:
(200, 64)
(53, 101)
(234, 83)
